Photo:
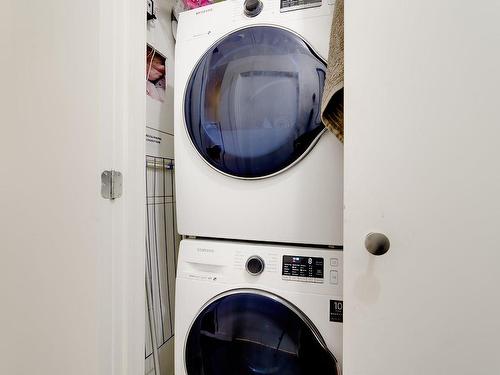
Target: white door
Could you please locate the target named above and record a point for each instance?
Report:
(71, 263)
(422, 166)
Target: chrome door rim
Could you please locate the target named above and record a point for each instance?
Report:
(302, 156)
(272, 296)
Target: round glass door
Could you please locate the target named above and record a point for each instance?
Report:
(252, 104)
(255, 334)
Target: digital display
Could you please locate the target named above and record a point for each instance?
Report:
(302, 268)
(287, 5)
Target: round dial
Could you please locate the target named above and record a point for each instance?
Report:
(253, 7)
(255, 265)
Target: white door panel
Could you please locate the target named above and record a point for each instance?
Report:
(422, 153)
(71, 105)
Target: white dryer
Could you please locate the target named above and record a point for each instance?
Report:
(253, 160)
(251, 309)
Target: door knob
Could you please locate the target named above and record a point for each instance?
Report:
(377, 243)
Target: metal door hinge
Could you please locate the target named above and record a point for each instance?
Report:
(151, 10)
(111, 184)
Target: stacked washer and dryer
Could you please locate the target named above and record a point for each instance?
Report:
(259, 192)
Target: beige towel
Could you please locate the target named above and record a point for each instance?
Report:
(332, 108)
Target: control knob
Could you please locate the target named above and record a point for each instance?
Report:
(253, 8)
(255, 265)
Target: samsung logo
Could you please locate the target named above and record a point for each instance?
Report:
(204, 11)
(204, 250)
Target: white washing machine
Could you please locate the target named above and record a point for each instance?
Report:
(248, 309)
(253, 160)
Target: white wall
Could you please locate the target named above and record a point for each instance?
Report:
(71, 268)
(160, 118)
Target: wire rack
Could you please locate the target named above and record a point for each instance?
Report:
(162, 244)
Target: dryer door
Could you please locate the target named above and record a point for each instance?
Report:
(250, 333)
(252, 104)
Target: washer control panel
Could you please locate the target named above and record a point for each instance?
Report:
(303, 268)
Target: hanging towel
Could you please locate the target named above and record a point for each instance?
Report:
(332, 107)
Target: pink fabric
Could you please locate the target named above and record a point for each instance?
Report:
(191, 4)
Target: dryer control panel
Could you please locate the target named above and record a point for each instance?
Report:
(303, 268)
(288, 5)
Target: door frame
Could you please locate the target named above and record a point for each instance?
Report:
(123, 44)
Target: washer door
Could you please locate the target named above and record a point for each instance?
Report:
(250, 333)
(252, 104)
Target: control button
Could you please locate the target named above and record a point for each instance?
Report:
(253, 8)
(255, 265)
(334, 262)
(334, 277)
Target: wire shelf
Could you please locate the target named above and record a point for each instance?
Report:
(162, 244)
